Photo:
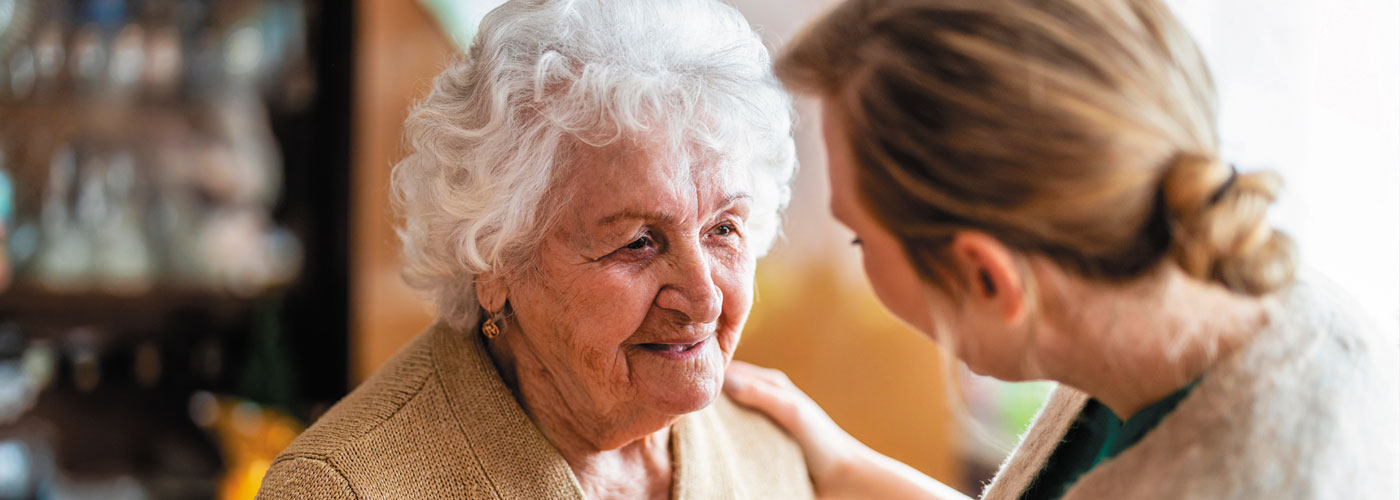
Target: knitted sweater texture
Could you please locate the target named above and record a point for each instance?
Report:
(1308, 409)
(438, 422)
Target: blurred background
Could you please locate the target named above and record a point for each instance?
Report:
(198, 255)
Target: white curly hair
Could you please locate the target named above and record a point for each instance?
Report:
(545, 78)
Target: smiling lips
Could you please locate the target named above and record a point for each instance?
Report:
(673, 350)
(670, 347)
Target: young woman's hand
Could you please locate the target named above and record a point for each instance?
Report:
(840, 465)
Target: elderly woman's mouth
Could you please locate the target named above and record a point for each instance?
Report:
(674, 350)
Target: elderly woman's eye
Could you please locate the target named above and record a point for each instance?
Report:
(639, 243)
(725, 229)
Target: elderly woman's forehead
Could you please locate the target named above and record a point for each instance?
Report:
(630, 162)
(610, 179)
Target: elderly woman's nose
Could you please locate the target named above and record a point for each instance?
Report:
(691, 289)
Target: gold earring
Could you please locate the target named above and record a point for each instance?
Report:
(490, 328)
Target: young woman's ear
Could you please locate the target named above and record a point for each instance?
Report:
(491, 292)
(989, 269)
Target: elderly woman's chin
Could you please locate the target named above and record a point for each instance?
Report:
(679, 376)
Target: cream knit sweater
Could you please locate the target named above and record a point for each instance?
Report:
(437, 422)
(1307, 410)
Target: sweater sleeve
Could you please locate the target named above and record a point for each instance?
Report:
(304, 478)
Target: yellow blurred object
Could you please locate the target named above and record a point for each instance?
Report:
(243, 480)
(250, 437)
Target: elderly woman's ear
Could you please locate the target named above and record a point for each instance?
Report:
(491, 292)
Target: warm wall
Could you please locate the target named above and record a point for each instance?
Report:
(399, 50)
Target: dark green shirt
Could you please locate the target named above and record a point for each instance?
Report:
(1096, 436)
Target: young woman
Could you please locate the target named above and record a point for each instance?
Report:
(1037, 185)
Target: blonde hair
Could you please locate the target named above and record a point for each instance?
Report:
(1082, 130)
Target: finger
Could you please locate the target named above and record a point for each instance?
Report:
(772, 376)
(744, 368)
(738, 379)
(782, 404)
(772, 384)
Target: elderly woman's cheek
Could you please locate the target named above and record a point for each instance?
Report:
(678, 386)
(736, 282)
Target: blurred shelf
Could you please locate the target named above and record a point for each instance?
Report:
(41, 309)
(143, 436)
(63, 117)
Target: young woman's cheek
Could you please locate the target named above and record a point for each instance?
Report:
(895, 283)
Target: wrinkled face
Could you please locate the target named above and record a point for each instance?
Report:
(642, 286)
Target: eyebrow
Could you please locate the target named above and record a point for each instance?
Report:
(630, 214)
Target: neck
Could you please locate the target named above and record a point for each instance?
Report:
(611, 456)
(1134, 344)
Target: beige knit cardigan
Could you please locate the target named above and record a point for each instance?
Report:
(1307, 410)
(438, 422)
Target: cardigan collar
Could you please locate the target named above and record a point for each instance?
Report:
(1262, 423)
(500, 432)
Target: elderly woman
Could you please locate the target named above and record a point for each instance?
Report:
(587, 194)
(1037, 185)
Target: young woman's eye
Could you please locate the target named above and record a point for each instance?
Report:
(856, 242)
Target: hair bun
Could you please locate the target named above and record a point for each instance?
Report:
(1220, 228)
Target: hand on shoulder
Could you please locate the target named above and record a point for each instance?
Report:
(840, 465)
